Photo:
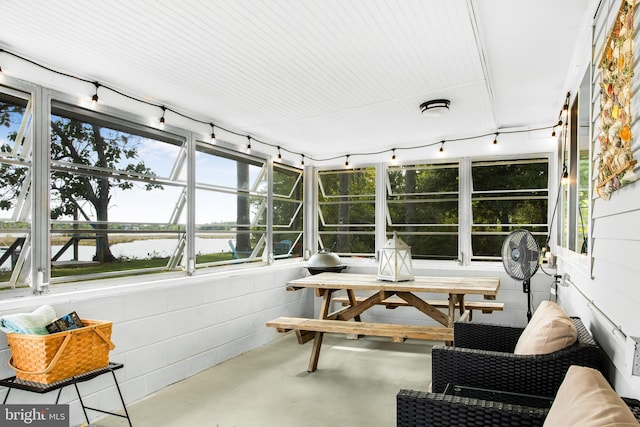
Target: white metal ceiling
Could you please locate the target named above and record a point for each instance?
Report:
(322, 77)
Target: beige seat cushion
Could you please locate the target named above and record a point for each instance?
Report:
(586, 399)
(549, 330)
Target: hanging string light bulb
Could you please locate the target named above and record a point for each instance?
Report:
(393, 155)
(164, 110)
(279, 154)
(565, 175)
(495, 140)
(346, 162)
(302, 161)
(94, 98)
(563, 113)
(248, 144)
(213, 134)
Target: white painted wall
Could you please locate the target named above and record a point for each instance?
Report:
(167, 330)
(608, 298)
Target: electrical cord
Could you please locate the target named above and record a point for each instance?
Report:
(165, 108)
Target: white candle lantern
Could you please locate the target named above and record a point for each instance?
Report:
(395, 261)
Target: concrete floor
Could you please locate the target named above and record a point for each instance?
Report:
(355, 385)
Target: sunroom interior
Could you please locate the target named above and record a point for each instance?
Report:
(169, 166)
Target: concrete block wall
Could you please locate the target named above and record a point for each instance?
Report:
(167, 330)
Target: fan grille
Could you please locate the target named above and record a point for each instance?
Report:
(520, 254)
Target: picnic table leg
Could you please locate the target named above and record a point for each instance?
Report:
(452, 313)
(456, 299)
(315, 352)
(463, 309)
(352, 302)
(317, 342)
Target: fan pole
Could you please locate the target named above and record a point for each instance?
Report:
(526, 288)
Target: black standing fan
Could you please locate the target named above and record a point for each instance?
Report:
(520, 257)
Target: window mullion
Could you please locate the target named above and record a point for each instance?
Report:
(269, 253)
(190, 254)
(40, 245)
(381, 207)
(465, 217)
(311, 212)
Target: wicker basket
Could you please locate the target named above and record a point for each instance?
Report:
(50, 358)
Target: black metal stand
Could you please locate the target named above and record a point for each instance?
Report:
(13, 382)
(526, 288)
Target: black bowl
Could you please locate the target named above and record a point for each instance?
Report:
(332, 269)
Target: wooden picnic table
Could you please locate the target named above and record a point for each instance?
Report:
(326, 284)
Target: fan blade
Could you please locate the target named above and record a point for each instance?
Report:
(515, 270)
(520, 254)
(532, 244)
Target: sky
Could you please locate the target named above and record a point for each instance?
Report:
(156, 206)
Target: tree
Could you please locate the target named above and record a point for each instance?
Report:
(348, 210)
(287, 215)
(74, 193)
(525, 180)
(243, 209)
(343, 213)
(12, 176)
(419, 197)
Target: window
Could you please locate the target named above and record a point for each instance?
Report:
(288, 185)
(422, 207)
(574, 146)
(231, 210)
(505, 196)
(119, 203)
(346, 211)
(115, 195)
(16, 141)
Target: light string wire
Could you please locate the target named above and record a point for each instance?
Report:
(564, 124)
(165, 108)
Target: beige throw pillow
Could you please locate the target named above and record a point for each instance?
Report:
(549, 330)
(586, 399)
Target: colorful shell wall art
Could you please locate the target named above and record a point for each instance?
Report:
(615, 158)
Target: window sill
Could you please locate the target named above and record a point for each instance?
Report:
(65, 292)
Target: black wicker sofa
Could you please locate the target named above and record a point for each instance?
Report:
(421, 409)
(482, 356)
(585, 398)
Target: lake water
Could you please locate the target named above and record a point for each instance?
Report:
(141, 249)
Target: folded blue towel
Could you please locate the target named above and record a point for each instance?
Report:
(29, 323)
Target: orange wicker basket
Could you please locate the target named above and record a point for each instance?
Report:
(50, 358)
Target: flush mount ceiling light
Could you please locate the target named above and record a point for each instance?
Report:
(435, 107)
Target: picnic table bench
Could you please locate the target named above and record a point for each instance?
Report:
(395, 302)
(392, 294)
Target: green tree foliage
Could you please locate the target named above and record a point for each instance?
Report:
(421, 197)
(12, 176)
(82, 194)
(348, 209)
(287, 209)
(498, 212)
